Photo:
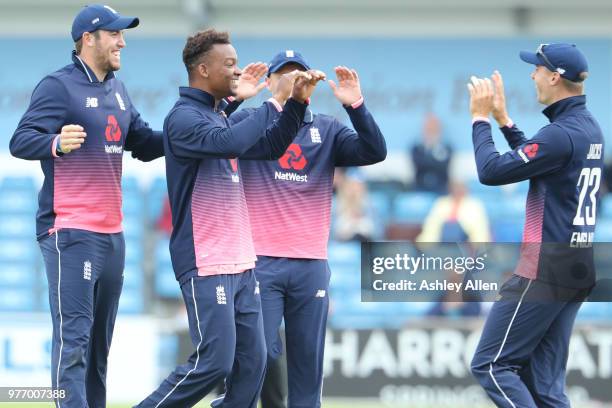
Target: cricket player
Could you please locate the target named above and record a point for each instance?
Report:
(211, 244)
(289, 202)
(521, 358)
(79, 121)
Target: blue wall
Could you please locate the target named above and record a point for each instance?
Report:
(402, 79)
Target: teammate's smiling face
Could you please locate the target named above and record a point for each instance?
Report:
(221, 70)
(108, 45)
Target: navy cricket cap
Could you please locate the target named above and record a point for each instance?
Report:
(100, 17)
(286, 57)
(565, 59)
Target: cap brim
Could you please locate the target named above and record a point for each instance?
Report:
(530, 58)
(306, 67)
(121, 23)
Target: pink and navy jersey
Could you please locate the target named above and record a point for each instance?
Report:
(289, 199)
(82, 189)
(211, 227)
(564, 163)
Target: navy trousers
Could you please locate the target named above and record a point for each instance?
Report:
(226, 328)
(521, 357)
(296, 290)
(85, 275)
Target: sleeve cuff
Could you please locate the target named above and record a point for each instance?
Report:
(277, 105)
(54, 146)
(509, 125)
(230, 99)
(480, 119)
(357, 104)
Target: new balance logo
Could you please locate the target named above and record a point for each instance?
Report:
(315, 136)
(221, 299)
(87, 270)
(91, 102)
(256, 288)
(120, 101)
(95, 20)
(320, 293)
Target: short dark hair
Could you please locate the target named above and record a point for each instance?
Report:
(78, 46)
(199, 44)
(576, 86)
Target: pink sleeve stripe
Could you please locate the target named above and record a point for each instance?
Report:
(357, 104)
(509, 124)
(480, 119)
(230, 99)
(54, 146)
(276, 104)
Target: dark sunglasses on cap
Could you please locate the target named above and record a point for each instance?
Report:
(549, 65)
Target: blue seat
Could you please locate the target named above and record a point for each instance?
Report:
(18, 183)
(381, 204)
(129, 184)
(507, 231)
(133, 226)
(166, 285)
(133, 204)
(18, 275)
(605, 210)
(16, 300)
(603, 230)
(344, 252)
(18, 250)
(17, 225)
(413, 207)
(131, 301)
(133, 276)
(158, 192)
(18, 202)
(133, 250)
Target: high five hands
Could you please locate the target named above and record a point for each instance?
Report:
(487, 97)
(348, 89)
(249, 83)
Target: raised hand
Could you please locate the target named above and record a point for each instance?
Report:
(304, 85)
(285, 85)
(348, 89)
(249, 83)
(71, 138)
(499, 100)
(481, 96)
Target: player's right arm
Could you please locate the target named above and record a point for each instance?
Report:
(514, 136)
(192, 135)
(42, 132)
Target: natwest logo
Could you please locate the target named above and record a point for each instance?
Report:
(293, 158)
(113, 131)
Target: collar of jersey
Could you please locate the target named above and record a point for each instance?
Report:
(563, 106)
(84, 68)
(197, 95)
(308, 116)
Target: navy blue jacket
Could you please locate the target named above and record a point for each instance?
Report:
(564, 163)
(303, 177)
(212, 233)
(82, 189)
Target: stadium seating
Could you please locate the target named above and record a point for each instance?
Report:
(23, 284)
(412, 207)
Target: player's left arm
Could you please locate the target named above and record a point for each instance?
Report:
(366, 144)
(547, 152)
(145, 143)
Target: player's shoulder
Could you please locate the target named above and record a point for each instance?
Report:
(324, 120)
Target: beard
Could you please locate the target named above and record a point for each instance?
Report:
(103, 61)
